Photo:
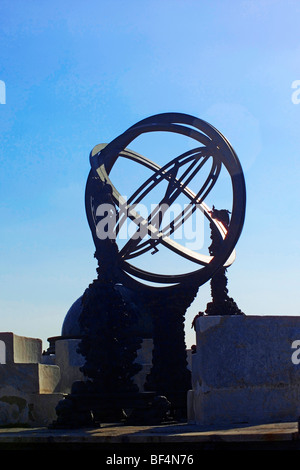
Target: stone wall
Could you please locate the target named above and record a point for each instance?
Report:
(243, 372)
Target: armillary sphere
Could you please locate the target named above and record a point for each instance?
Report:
(211, 147)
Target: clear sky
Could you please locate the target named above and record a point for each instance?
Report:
(78, 73)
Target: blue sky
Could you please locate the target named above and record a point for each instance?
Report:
(78, 73)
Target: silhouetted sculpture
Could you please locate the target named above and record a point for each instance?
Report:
(120, 307)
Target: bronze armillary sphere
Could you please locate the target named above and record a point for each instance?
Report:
(211, 147)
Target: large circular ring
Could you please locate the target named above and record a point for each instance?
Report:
(213, 146)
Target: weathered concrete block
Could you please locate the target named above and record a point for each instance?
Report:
(49, 377)
(69, 362)
(19, 408)
(243, 370)
(42, 408)
(19, 349)
(14, 407)
(30, 378)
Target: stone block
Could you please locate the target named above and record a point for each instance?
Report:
(16, 349)
(18, 408)
(30, 378)
(14, 407)
(243, 371)
(69, 362)
(42, 408)
(49, 377)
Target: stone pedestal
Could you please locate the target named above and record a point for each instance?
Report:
(244, 370)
